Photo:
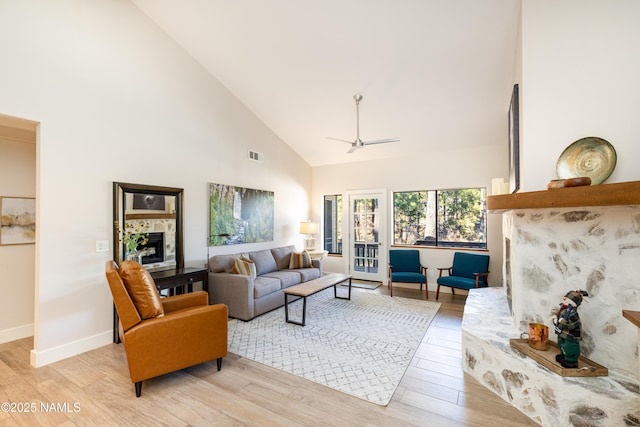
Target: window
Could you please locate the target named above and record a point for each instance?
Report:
(442, 218)
(332, 224)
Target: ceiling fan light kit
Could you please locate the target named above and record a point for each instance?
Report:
(358, 143)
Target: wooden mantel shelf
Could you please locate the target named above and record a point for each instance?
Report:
(618, 194)
(632, 316)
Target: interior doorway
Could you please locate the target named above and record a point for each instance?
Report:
(17, 261)
(368, 235)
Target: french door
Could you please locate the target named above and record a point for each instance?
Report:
(367, 232)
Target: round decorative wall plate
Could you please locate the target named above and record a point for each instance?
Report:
(587, 157)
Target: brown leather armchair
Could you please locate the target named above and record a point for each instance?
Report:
(162, 335)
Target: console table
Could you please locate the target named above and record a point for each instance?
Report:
(175, 281)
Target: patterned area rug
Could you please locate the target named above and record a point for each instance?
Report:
(361, 347)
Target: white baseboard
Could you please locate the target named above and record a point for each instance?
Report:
(55, 354)
(17, 333)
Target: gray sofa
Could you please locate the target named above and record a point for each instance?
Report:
(247, 297)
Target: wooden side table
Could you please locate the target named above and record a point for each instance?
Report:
(175, 281)
(314, 254)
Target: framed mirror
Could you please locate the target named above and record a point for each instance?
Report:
(154, 213)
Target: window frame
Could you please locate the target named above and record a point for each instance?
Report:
(335, 227)
(438, 244)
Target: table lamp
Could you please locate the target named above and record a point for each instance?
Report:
(309, 228)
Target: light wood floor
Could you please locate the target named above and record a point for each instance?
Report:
(433, 392)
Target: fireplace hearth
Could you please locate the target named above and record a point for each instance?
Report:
(543, 395)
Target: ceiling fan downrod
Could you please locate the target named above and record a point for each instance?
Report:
(358, 98)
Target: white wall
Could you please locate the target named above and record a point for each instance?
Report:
(434, 170)
(579, 78)
(117, 100)
(17, 278)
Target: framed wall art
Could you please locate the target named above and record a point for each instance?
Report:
(514, 141)
(154, 202)
(17, 220)
(239, 215)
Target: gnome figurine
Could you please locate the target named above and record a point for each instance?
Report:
(569, 328)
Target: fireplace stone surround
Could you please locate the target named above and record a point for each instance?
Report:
(167, 227)
(552, 247)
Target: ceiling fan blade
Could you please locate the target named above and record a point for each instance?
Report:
(338, 139)
(358, 143)
(380, 141)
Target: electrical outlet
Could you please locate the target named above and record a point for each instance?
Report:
(432, 273)
(102, 246)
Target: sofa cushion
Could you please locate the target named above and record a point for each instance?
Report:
(459, 282)
(408, 277)
(286, 277)
(300, 260)
(265, 285)
(142, 289)
(244, 266)
(222, 263)
(265, 263)
(308, 273)
(282, 256)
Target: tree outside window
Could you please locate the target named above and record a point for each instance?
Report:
(445, 218)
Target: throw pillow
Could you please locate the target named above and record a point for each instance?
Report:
(142, 289)
(300, 260)
(264, 260)
(244, 266)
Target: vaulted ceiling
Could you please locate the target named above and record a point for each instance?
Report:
(435, 73)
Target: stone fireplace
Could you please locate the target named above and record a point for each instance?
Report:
(160, 251)
(549, 251)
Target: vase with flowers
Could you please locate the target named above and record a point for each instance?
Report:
(132, 239)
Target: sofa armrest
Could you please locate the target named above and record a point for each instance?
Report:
(447, 269)
(317, 263)
(179, 302)
(236, 291)
(483, 275)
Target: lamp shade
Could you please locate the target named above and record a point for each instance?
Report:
(308, 227)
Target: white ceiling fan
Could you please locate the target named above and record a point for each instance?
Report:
(358, 143)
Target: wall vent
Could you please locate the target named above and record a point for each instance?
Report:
(256, 156)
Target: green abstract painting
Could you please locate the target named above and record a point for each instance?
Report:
(239, 215)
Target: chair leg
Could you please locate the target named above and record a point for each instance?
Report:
(390, 288)
(219, 362)
(138, 388)
(426, 290)
(437, 292)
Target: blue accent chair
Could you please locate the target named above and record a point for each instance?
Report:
(405, 267)
(468, 271)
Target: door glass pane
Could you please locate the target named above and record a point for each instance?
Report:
(365, 231)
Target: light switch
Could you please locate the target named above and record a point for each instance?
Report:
(102, 246)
